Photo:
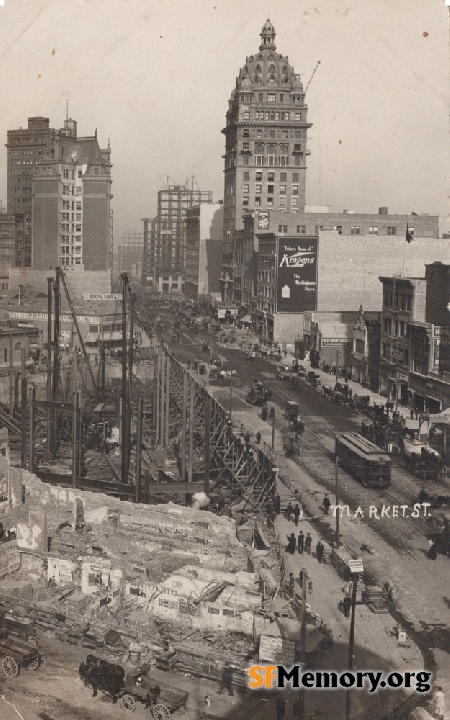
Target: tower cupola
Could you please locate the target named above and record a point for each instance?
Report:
(268, 37)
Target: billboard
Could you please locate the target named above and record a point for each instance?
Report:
(297, 274)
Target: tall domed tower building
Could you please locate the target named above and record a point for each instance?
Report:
(265, 155)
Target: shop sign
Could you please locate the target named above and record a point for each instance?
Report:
(356, 566)
(327, 342)
(297, 274)
(276, 650)
(441, 331)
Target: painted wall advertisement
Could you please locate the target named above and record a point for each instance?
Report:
(297, 274)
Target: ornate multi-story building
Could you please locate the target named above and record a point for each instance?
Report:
(61, 183)
(265, 155)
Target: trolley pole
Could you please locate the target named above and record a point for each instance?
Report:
(336, 474)
(351, 645)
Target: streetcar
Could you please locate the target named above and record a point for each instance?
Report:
(366, 462)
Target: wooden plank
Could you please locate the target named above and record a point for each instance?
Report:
(170, 487)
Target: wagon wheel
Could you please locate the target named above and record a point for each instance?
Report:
(442, 473)
(127, 702)
(34, 664)
(10, 666)
(181, 710)
(161, 712)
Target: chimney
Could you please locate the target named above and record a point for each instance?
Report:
(383, 211)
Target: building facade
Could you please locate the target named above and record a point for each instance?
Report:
(130, 254)
(265, 147)
(415, 331)
(204, 242)
(13, 245)
(173, 202)
(61, 183)
(365, 357)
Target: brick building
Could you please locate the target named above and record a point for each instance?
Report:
(415, 332)
(13, 248)
(61, 183)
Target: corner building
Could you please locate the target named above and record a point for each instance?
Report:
(265, 154)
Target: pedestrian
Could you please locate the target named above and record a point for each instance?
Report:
(296, 512)
(289, 511)
(280, 707)
(347, 605)
(319, 551)
(277, 504)
(227, 680)
(290, 547)
(439, 702)
(411, 413)
(291, 584)
(300, 542)
(326, 503)
(432, 550)
(308, 543)
(258, 437)
(285, 353)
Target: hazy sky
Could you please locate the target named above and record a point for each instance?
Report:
(155, 77)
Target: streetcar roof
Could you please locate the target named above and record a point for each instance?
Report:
(361, 446)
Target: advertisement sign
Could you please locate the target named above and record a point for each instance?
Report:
(263, 220)
(336, 341)
(276, 650)
(356, 566)
(297, 274)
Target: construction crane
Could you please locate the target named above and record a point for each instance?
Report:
(314, 72)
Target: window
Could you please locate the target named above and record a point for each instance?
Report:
(271, 154)
(283, 202)
(295, 189)
(392, 230)
(271, 97)
(359, 347)
(281, 97)
(246, 147)
(373, 230)
(246, 115)
(282, 189)
(270, 202)
(245, 201)
(282, 228)
(213, 610)
(294, 202)
(80, 174)
(301, 229)
(405, 357)
(246, 177)
(259, 132)
(408, 303)
(297, 148)
(259, 176)
(66, 174)
(245, 160)
(395, 328)
(271, 177)
(245, 189)
(257, 201)
(283, 177)
(384, 350)
(297, 116)
(78, 216)
(295, 177)
(270, 189)
(258, 187)
(246, 133)
(355, 230)
(261, 97)
(387, 325)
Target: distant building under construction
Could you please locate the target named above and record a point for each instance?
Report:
(170, 251)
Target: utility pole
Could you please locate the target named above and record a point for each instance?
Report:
(273, 429)
(336, 474)
(24, 422)
(32, 419)
(124, 438)
(11, 378)
(208, 412)
(140, 417)
(304, 582)
(351, 645)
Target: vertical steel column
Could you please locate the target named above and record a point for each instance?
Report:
(32, 420)
(191, 427)
(50, 427)
(75, 469)
(56, 333)
(207, 451)
(167, 403)
(156, 408)
(183, 426)
(11, 380)
(23, 423)
(162, 397)
(140, 416)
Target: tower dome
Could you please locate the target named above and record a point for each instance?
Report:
(267, 68)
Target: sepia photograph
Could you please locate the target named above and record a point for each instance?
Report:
(224, 360)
